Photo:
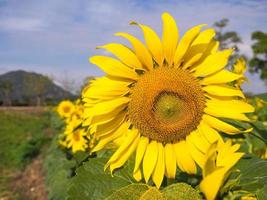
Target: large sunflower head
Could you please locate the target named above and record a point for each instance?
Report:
(163, 100)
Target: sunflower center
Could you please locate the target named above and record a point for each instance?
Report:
(167, 107)
(66, 109)
(76, 137)
(166, 104)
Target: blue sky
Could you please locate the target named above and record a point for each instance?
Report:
(56, 37)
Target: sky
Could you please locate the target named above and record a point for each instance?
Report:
(56, 37)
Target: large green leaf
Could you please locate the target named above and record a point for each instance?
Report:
(91, 182)
(252, 176)
(180, 191)
(129, 192)
(152, 194)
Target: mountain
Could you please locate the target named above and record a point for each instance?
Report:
(28, 88)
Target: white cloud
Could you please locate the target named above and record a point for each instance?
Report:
(19, 24)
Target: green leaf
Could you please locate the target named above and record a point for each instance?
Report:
(130, 192)
(80, 157)
(91, 182)
(252, 176)
(262, 194)
(260, 129)
(180, 191)
(151, 194)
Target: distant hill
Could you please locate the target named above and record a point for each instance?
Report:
(28, 88)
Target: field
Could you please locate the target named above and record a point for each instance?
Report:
(25, 135)
(34, 166)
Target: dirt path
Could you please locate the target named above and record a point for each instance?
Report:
(30, 184)
(28, 109)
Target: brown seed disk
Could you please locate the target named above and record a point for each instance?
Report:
(166, 104)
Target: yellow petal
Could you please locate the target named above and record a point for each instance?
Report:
(141, 51)
(213, 63)
(137, 175)
(199, 141)
(150, 159)
(109, 89)
(111, 126)
(185, 43)
(204, 37)
(220, 125)
(125, 155)
(223, 90)
(223, 76)
(129, 139)
(227, 156)
(210, 160)
(170, 36)
(184, 158)
(158, 173)
(170, 161)
(226, 114)
(212, 48)
(152, 42)
(198, 48)
(97, 120)
(232, 109)
(211, 184)
(124, 54)
(140, 151)
(113, 67)
(219, 160)
(108, 138)
(209, 133)
(230, 160)
(195, 153)
(109, 106)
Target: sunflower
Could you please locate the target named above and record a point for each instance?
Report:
(65, 109)
(164, 100)
(240, 68)
(76, 140)
(218, 162)
(75, 137)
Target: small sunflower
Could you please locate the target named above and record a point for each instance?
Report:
(164, 100)
(240, 68)
(218, 162)
(65, 109)
(76, 140)
(75, 137)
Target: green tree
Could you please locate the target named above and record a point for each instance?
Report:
(258, 64)
(6, 87)
(36, 87)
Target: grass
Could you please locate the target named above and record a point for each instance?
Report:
(262, 96)
(23, 136)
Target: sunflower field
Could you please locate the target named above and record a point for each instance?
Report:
(169, 120)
